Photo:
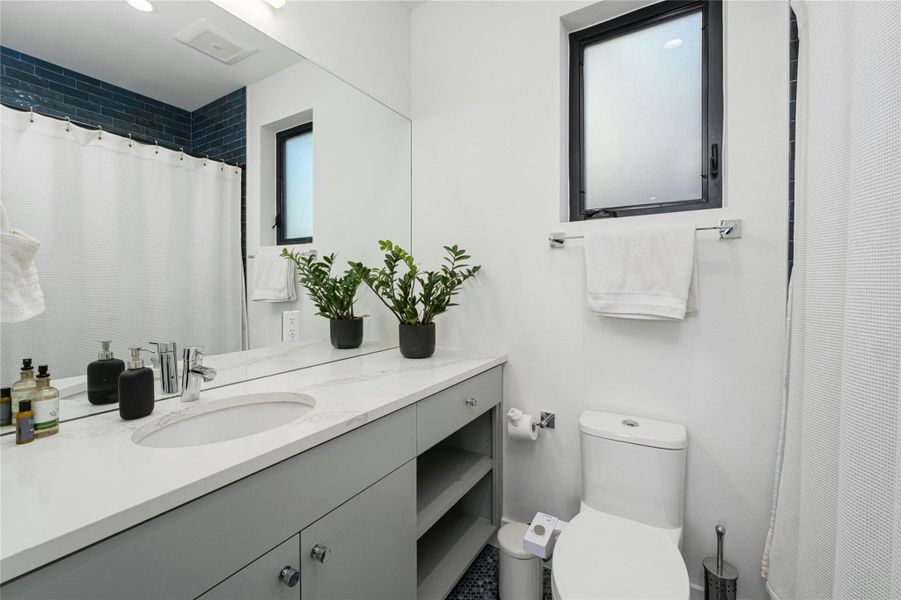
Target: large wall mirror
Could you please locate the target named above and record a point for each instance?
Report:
(152, 165)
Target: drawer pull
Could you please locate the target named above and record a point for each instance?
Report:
(470, 401)
(289, 576)
(320, 552)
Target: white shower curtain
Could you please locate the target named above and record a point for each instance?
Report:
(837, 522)
(138, 244)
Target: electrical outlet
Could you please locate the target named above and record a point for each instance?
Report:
(290, 325)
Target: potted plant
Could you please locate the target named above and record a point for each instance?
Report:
(333, 295)
(415, 296)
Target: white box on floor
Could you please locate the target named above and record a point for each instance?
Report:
(540, 536)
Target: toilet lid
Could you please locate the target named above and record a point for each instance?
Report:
(600, 556)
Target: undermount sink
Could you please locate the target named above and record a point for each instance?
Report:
(223, 420)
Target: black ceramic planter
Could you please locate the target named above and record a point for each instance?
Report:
(345, 333)
(417, 341)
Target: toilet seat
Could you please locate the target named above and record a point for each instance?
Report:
(604, 557)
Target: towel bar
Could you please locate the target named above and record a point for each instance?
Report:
(730, 229)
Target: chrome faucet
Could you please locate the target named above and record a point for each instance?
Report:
(194, 371)
(168, 363)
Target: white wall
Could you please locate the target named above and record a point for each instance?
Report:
(489, 116)
(361, 185)
(366, 43)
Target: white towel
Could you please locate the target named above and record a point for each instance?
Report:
(273, 277)
(644, 272)
(20, 290)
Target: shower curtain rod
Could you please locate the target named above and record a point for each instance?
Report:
(131, 137)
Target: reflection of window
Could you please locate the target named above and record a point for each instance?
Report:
(646, 112)
(294, 186)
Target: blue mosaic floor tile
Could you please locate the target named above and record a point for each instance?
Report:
(481, 580)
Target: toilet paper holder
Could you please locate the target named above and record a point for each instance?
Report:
(548, 421)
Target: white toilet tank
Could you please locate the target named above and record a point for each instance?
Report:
(633, 467)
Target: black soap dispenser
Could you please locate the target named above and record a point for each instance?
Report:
(103, 377)
(136, 387)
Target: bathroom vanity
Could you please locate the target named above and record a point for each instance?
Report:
(388, 487)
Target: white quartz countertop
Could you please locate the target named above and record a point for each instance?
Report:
(90, 481)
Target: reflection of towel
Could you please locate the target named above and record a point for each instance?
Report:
(273, 277)
(642, 272)
(20, 291)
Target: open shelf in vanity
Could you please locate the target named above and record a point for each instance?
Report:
(458, 498)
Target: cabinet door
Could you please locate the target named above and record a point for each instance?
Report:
(263, 579)
(367, 545)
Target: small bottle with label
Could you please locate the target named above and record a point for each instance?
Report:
(6, 407)
(103, 377)
(24, 423)
(22, 389)
(45, 404)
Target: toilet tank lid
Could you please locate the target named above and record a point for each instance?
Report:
(634, 430)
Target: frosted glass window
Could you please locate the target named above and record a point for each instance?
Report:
(295, 190)
(643, 115)
(640, 120)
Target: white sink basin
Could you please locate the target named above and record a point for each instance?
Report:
(223, 420)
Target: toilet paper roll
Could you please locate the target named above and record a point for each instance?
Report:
(521, 428)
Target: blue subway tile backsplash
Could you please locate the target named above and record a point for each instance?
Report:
(29, 82)
(216, 130)
(219, 128)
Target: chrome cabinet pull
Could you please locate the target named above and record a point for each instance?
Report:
(289, 576)
(470, 401)
(320, 552)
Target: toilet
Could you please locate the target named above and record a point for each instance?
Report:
(624, 543)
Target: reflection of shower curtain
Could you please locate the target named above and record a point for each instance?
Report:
(837, 527)
(137, 244)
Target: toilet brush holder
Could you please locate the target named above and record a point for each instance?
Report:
(720, 578)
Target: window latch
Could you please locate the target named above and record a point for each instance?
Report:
(714, 160)
(278, 219)
(603, 213)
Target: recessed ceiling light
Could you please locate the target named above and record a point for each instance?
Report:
(275, 3)
(141, 5)
(674, 43)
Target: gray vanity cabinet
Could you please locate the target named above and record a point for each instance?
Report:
(362, 549)
(267, 578)
(366, 547)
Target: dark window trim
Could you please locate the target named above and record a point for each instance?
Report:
(712, 105)
(280, 138)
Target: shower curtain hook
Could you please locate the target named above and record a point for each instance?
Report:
(222, 166)
(206, 158)
(68, 121)
(129, 140)
(182, 150)
(157, 150)
(100, 132)
(31, 117)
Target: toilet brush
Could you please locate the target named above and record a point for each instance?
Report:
(720, 578)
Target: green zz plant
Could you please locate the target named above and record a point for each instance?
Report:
(333, 296)
(416, 296)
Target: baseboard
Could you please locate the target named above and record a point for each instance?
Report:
(697, 592)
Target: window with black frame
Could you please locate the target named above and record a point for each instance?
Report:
(294, 185)
(646, 112)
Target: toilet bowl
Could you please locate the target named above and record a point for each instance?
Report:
(624, 543)
(604, 557)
